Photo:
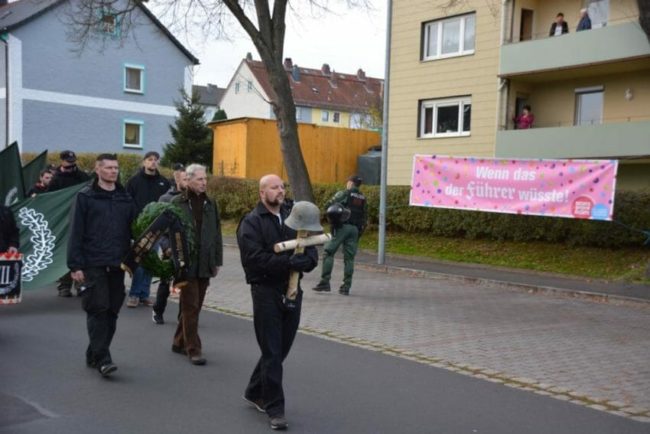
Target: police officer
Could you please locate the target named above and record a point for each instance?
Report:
(346, 231)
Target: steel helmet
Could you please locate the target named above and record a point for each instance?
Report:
(305, 216)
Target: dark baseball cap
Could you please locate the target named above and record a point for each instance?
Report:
(178, 166)
(356, 180)
(151, 154)
(68, 156)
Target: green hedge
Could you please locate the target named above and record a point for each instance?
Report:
(236, 197)
(632, 210)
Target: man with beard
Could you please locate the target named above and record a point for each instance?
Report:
(100, 235)
(275, 317)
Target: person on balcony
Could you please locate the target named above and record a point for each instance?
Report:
(585, 21)
(525, 119)
(559, 26)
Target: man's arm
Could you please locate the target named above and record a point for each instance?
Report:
(76, 232)
(256, 259)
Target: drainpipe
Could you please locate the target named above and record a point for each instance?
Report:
(6, 46)
(381, 245)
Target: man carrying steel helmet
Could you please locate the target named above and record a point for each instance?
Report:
(275, 316)
(347, 211)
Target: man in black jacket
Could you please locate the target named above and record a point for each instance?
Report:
(100, 236)
(9, 241)
(145, 187)
(559, 26)
(67, 175)
(275, 318)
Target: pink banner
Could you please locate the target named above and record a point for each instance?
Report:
(557, 188)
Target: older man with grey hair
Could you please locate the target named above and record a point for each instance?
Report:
(204, 262)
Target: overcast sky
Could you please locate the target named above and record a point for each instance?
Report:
(347, 39)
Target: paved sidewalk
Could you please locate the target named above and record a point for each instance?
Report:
(590, 353)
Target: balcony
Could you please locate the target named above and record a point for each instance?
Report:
(539, 59)
(611, 140)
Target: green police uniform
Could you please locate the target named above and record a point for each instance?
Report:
(346, 234)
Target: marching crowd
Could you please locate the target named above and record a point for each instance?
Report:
(100, 237)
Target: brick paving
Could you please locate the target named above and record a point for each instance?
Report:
(590, 353)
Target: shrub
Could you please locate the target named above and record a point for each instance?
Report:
(632, 215)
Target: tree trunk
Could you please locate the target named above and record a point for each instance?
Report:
(285, 113)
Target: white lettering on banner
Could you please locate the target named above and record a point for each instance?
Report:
(483, 172)
(5, 275)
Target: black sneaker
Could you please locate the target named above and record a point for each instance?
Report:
(257, 403)
(344, 290)
(278, 422)
(157, 318)
(322, 287)
(107, 369)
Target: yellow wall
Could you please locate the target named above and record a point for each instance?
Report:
(330, 153)
(553, 103)
(316, 118)
(413, 80)
(545, 11)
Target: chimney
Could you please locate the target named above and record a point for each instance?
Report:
(295, 73)
(249, 56)
(333, 79)
(325, 69)
(361, 75)
(288, 64)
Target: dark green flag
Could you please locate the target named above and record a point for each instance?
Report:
(32, 171)
(11, 175)
(43, 222)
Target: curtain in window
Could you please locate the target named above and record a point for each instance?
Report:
(470, 32)
(132, 134)
(451, 36)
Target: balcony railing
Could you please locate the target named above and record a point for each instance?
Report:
(610, 140)
(607, 44)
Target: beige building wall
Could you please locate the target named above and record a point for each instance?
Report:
(413, 80)
(553, 103)
(545, 11)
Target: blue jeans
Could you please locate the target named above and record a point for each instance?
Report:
(140, 284)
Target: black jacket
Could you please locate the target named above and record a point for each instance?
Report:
(565, 28)
(63, 179)
(100, 228)
(8, 229)
(145, 189)
(256, 235)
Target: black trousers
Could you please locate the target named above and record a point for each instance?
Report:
(161, 296)
(275, 330)
(102, 300)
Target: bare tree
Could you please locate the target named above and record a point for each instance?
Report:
(266, 28)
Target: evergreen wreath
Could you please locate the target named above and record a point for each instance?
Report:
(153, 262)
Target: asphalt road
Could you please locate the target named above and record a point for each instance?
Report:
(45, 386)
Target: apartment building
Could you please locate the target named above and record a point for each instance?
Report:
(461, 71)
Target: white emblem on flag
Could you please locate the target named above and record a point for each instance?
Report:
(42, 243)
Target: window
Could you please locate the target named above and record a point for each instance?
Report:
(336, 117)
(589, 106)
(133, 78)
(298, 113)
(325, 116)
(108, 23)
(598, 13)
(237, 87)
(449, 37)
(445, 117)
(249, 86)
(133, 134)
